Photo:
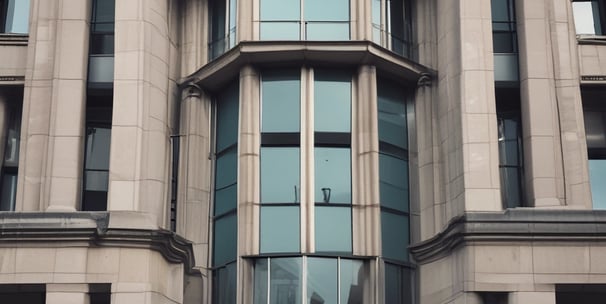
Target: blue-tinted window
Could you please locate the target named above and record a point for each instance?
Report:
(280, 94)
(225, 239)
(333, 175)
(393, 179)
(594, 112)
(398, 284)
(333, 229)
(280, 175)
(224, 284)
(227, 118)
(394, 235)
(320, 20)
(597, 176)
(326, 279)
(16, 16)
(332, 101)
(280, 229)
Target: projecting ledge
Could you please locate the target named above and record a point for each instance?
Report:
(325, 54)
(514, 225)
(94, 229)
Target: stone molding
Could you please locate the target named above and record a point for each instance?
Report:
(91, 229)
(513, 225)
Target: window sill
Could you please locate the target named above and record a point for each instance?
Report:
(591, 39)
(13, 39)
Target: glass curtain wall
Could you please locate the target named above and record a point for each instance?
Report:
(225, 232)
(99, 106)
(304, 20)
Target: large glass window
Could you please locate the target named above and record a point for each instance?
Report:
(225, 232)
(326, 280)
(392, 25)
(14, 16)
(304, 20)
(12, 117)
(511, 156)
(595, 130)
(222, 27)
(589, 17)
(101, 51)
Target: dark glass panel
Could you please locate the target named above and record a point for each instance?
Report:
(225, 239)
(393, 179)
(227, 169)
(392, 114)
(225, 199)
(395, 236)
(227, 117)
(225, 284)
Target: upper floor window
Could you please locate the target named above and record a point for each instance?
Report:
(222, 27)
(392, 25)
(594, 112)
(505, 40)
(304, 20)
(11, 110)
(14, 16)
(589, 16)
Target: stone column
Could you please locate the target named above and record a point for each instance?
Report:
(542, 147)
(63, 181)
(366, 212)
(67, 294)
(194, 36)
(139, 173)
(248, 178)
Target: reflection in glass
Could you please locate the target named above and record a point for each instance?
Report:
(225, 239)
(587, 17)
(332, 101)
(393, 182)
(279, 175)
(272, 10)
(101, 68)
(322, 280)
(227, 117)
(280, 95)
(225, 199)
(333, 171)
(260, 291)
(395, 236)
(398, 284)
(285, 281)
(597, 177)
(353, 276)
(280, 229)
(280, 30)
(321, 10)
(595, 129)
(224, 285)
(392, 114)
(322, 31)
(9, 191)
(333, 229)
(510, 156)
(227, 169)
(17, 16)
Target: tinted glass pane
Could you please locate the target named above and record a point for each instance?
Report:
(353, 276)
(595, 130)
(101, 44)
(333, 229)
(322, 10)
(225, 239)
(104, 10)
(227, 117)
(327, 31)
(285, 282)
(332, 101)
(227, 169)
(280, 10)
(586, 17)
(506, 67)
(280, 229)
(13, 138)
(224, 285)
(9, 192)
(396, 18)
(280, 94)
(96, 180)
(217, 20)
(101, 68)
(392, 114)
(504, 42)
(395, 235)
(17, 17)
(398, 284)
(510, 186)
(508, 141)
(225, 199)
(280, 30)
(393, 178)
(97, 148)
(280, 175)
(502, 10)
(321, 280)
(597, 177)
(261, 279)
(333, 175)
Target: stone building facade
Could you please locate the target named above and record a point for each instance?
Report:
(303, 151)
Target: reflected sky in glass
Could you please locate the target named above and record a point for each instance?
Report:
(280, 10)
(225, 238)
(333, 174)
(393, 181)
(280, 94)
(321, 280)
(395, 235)
(322, 10)
(285, 284)
(333, 229)
(332, 101)
(280, 229)
(280, 175)
(597, 179)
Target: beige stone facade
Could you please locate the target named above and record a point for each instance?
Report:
(157, 236)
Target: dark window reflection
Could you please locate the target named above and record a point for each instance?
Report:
(321, 280)
(398, 284)
(224, 284)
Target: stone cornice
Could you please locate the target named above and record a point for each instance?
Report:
(314, 53)
(513, 225)
(90, 229)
